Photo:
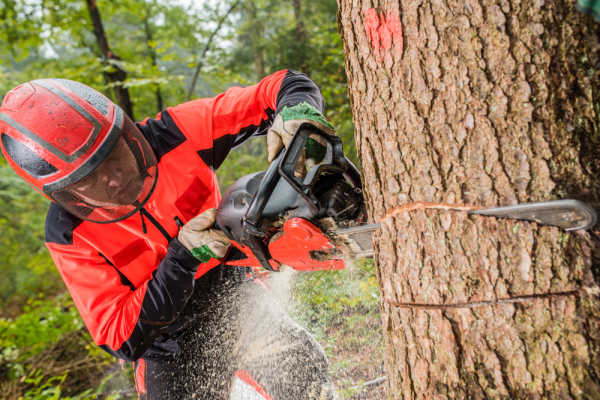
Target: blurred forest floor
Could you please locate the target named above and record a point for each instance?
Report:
(45, 350)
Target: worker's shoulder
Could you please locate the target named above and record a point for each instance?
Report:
(60, 225)
(162, 133)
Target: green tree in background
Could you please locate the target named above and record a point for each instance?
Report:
(300, 35)
(23, 255)
(160, 45)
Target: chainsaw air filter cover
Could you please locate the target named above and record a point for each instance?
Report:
(235, 202)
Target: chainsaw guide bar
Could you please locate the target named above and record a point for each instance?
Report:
(569, 215)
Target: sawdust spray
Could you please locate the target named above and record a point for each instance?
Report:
(248, 329)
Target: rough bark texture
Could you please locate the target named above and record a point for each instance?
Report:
(489, 103)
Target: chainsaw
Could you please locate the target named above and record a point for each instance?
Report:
(320, 221)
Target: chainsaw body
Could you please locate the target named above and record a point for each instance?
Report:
(272, 217)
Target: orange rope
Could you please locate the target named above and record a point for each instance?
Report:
(422, 205)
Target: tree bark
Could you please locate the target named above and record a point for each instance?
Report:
(118, 76)
(486, 103)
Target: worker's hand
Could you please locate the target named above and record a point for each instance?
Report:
(203, 242)
(284, 127)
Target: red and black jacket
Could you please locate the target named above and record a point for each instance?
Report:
(133, 289)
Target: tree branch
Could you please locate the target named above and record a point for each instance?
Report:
(119, 75)
(208, 43)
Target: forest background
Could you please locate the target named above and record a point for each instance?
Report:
(166, 53)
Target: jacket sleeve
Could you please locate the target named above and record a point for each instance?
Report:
(122, 319)
(219, 124)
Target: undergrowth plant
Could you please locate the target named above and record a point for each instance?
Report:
(46, 353)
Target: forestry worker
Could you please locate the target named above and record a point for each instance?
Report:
(129, 230)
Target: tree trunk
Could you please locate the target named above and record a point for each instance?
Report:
(298, 18)
(118, 76)
(301, 43)
(486, 103)
(152, 50)
(256, 35)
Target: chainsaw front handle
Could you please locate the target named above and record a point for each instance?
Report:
(334, 162)
(283, 166)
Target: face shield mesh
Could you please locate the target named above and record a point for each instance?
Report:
(119, 186)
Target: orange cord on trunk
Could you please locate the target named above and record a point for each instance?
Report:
(423, 205)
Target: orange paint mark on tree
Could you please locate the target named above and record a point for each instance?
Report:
(371, 25)
(384, 32)
(393, 24)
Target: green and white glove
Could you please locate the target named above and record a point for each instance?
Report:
(204, 243)
(284, 127)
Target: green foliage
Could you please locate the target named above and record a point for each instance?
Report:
(51, 328)
(323, 294)
(25, 265)
(337, 289)
(341, 308)
(347, 298)
(19, 29)
(49, 388)
(159, 44)
(43, 322)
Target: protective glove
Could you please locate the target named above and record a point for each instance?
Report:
(285, 125)
(204, 243)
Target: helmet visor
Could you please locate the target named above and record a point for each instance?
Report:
(119, 186)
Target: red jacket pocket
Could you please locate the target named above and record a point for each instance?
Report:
(191, 201)
(130, 253)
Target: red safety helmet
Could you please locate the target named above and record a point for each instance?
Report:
(78, 148)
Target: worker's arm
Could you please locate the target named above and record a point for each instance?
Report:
(217, 125)
(125, 320)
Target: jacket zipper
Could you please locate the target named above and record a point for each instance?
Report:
(143, 223)
(158, 226)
